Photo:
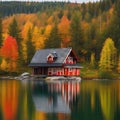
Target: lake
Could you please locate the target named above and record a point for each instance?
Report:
(35, 100)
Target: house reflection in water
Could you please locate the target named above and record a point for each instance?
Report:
(56, 97)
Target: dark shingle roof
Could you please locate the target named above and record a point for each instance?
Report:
(41, 55)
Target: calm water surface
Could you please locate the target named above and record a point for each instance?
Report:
(33, 100)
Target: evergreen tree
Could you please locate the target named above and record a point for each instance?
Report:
(30, 46)
(1, 32)
(83, 11)
(54, 40)
(92, 61)
(76, 34)
(14, 31)
(108, 56)
(69, 14)
(91, 44)
(1, 40)
(114, 28)
(118, 68)
(60, 14)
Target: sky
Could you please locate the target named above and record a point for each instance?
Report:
(78, 1)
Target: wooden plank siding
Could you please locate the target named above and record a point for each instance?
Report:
(63, 71)
(55, 62)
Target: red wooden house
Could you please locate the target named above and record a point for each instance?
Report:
(55, 62)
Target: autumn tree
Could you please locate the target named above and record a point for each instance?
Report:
(30, 46)
(64, 27)
(37, 38)
(108, 56)
(3, 65)
(14, 31)
(53, 40)
(9, 52)
(48, 30)
(25, 29)
(76, 34)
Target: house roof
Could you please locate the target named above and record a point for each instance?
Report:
(40, 56)
(73, 66)
(45, 64)
(42, 103)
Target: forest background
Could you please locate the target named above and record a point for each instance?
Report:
(91, 29)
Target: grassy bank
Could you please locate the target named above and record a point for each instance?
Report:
(88, 72)
(15, 73)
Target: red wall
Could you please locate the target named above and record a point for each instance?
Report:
(65, 72)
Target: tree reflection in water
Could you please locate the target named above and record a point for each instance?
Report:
(35, 100)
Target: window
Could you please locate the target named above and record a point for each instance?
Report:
(49, 71)
(70, 69)
(50, 59)
(70, 60)
(54, 71)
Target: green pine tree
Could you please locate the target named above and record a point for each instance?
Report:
(14, 31)
(1, 39)
(92, 62)
(118, 68)
(114, 28)
(91, 43)
(30, 46)
(54, 40)
(1, 32)
(76, 34)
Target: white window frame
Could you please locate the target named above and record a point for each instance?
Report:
(70, 59)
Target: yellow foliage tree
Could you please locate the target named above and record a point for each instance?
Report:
(25, 29)
(50, 20)
(108, 56)
(4, 65)
(38, 39)
(48, 30)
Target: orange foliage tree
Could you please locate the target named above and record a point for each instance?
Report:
(9, 51)
(64, 27)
